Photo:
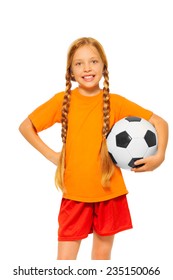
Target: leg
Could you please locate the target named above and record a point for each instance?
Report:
(102, 246)
(75, 219)
(68, 250)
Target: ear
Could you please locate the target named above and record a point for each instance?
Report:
(72, 77)
(104, 70)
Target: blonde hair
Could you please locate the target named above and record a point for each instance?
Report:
(107, 166)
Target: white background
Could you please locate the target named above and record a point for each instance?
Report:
(35, 36)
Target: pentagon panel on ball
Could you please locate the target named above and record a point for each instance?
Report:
(130, 139)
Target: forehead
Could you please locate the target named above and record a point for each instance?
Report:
(86, 51)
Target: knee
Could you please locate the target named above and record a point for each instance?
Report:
(65, 258)
(67, 255)
(101, 254)
(102, 247)
(68, 250)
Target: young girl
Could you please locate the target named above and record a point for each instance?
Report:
(94, 192)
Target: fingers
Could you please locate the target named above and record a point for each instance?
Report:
(140, 166)
(146, 164)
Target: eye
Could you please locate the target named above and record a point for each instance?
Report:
(94, 61)
(78, 63)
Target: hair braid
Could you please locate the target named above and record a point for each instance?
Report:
(106, 105)
(65, 109)
(106, 162)
(64, 120)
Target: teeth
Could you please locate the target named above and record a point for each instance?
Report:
(88, 77)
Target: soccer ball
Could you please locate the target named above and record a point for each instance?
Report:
(130, 139)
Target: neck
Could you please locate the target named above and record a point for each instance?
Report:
(89, 92)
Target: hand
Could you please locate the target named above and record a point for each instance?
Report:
(148, 164)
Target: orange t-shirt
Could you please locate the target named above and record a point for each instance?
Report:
(82, 176)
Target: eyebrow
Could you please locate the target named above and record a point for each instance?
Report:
(80, 59)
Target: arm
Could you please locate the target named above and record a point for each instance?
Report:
(154, 161)
(28, 131)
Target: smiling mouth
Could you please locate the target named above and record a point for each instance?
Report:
(88, 78)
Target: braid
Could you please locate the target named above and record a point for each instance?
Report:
(106, 104)
(65, 108)
(59, 182)
(107, 166)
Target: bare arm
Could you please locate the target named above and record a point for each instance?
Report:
(154, 161)
(28, 131)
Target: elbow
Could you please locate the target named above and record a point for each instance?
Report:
(165, 125)
(20, 128)
(157, 121)
(25, 126)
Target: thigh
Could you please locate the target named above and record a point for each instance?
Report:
(112, 216)
(75, 220)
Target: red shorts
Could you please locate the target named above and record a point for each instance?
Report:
(78, 219)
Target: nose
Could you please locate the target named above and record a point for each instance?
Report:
(87, 67)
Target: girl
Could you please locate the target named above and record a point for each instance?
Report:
(94, 193)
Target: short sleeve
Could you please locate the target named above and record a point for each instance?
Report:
(134, 109)
(123, 107)
(48, 113)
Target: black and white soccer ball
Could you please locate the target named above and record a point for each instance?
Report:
(130, 139)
